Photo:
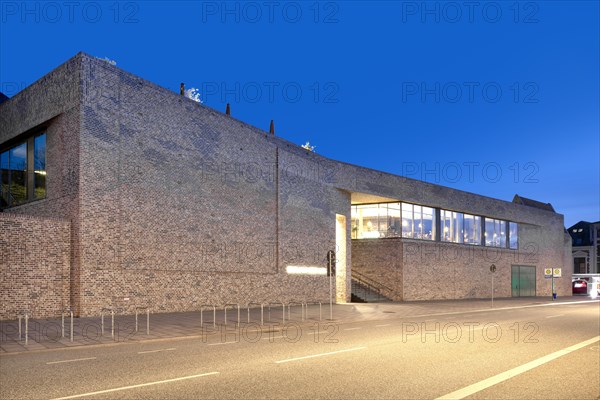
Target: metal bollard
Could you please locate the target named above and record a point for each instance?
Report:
(20, 317)
(26, 329)
(112, 324)
(71, 326)
(147, 321)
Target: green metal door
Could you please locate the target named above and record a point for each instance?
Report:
(522, 280)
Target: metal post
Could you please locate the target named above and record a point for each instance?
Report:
(238, 320)
(261, 314)
(136, 320)
(147, 321)
(492, 290)
(71, 326)
(62, 316)
(112, 323)
(552, 284)
(26, 329)
(283, 316)
(19, 317)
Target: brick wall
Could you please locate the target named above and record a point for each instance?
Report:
(173, 204)
(34, 265)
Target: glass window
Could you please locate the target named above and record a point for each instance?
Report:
(4, 182)
(472, 229)
(495, 233)
(452, 226)
(418, 222)
(39, 166)
(407, 220)
(376, 221)
(22, 168)
(17, 165)
(513, 235)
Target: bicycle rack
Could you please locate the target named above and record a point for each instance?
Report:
(238, 311)
(24, 315)
(62, 318)
(290, 309)
(214, 308)
(112, 324)
(283, 307)
(147, 319)
(320, 309)
(261, 311)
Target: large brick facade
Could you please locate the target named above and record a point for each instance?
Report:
(34, 265)
(172, 204)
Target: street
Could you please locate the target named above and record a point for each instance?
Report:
(540, 352)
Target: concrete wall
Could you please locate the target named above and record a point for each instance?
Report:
(34, 266)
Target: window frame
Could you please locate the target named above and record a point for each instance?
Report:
(29, 141)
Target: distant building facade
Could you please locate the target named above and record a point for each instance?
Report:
(119, 193)
(586, 247)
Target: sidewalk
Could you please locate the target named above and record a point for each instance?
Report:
(47, 333)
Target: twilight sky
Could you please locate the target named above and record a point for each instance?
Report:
(495, 98)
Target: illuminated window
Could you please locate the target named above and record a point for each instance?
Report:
(418, 222)
(371, 221)
(472, 229)
(513, 235)
(451, 224)
(495, 233)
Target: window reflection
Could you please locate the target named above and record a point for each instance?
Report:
(17, 176)
(513, 234)
(495, 232)
(472, 230)
(39, 166)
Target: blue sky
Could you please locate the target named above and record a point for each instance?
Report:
(496, 98)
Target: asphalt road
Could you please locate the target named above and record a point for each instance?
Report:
(547, 352)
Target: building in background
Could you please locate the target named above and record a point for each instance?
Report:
(119, 193)
(586, 247)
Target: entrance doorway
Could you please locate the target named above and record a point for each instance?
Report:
(340, 259)
(523, 280)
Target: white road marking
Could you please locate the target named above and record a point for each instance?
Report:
(379, 326)
(317, 333)
(156, 351)
(218, 344)
(554, 316)
(319, 355)
(352, 329)
(135, 386)
(66, 361)
(511, 373)
(274, 337)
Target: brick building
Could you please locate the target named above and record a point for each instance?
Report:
(117, 192)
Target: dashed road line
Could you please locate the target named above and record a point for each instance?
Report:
(67, 361)
(156, 351)
(135, 386)
(319, 355)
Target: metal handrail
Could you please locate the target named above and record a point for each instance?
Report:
(238, 311)
(261, 311)
(147, 319)
(202, 315)
(365, 280)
